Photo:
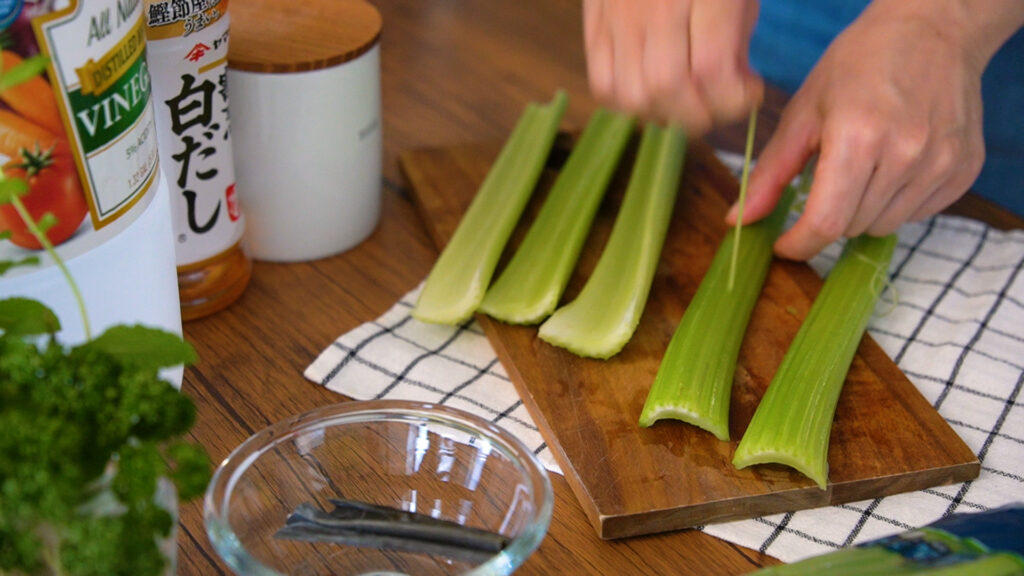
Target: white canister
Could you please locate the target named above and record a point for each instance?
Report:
(305, 121)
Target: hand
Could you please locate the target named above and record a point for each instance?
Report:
(893, 109)
(673, 61)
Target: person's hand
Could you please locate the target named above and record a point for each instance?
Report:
(682, 62)
(893, 110)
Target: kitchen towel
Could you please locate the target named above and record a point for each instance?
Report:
(955, 330)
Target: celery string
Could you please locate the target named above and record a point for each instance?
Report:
(744, 178)
(881, 282)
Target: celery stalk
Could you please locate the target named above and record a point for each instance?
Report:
(792, 423)
(529, 288)
(694, 381)
(600, 321)
(456, 284)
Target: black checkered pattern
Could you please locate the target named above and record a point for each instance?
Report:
(397, 357)
(953, 320)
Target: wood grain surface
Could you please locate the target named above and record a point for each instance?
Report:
(280, 36)
(886, 437)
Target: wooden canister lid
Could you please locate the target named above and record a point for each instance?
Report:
(277, 36)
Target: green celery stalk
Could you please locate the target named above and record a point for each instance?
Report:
(792, 423)
(694, 381)
(600, 321)
(457, 282)
(529, 288)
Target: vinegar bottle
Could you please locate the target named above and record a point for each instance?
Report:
(187, 47)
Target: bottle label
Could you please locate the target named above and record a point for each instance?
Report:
(189, 76)
(88, 119)
(176, 19)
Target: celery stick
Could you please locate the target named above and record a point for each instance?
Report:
(600, 321)
(792, 423)
(694, 381)
(529, 288)
(456, 284)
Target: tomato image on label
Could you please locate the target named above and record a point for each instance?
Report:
(53, 187)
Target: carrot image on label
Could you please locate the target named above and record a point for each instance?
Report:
(32, 98)
(17, 134)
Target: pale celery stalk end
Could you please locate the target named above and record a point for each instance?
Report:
(793, 421)
(603, 318)
(814, 468)
(519, 307)
(530, 286)
(457, 282)
(654, 413)
(694, 380)
(566, 329)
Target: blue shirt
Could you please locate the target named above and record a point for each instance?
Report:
(791, 36)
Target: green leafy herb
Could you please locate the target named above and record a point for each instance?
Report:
(24, 71)
(11, 188)
(26, 317)
(90, 437)
(6, 265)
(144, 347)
(68, 418)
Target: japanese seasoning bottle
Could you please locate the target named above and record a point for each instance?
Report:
(187, 44)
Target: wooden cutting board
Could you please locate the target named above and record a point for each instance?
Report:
(886, 438)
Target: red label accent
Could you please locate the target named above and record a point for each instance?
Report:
(233, 212)
(197, 52)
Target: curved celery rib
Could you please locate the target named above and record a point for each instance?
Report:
(794, 419)
(694, 381)
(600, 321)
(456, 284)
(529, 288)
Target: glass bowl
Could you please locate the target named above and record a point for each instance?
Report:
(379, 487)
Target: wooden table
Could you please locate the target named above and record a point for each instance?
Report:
(452, 73)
